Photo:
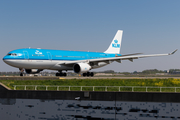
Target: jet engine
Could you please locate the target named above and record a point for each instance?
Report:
(33, 71)
(81, 67)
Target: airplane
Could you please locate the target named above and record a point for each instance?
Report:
(33, 60)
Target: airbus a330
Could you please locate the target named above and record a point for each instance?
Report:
(33, 61)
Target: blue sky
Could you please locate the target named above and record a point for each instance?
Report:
(150, 26)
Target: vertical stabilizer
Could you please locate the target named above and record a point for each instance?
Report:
(115, 45)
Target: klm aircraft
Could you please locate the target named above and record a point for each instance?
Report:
(35, 60)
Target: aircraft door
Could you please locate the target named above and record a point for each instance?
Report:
(49, 56)
(88, 56)
(26, 55)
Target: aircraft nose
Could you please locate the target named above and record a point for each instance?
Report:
(9, 62)
(5, 60)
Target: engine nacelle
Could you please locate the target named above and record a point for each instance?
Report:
(81, 67)
(32, 71)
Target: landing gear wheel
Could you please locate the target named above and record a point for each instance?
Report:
(57, 74)
(92, 74)
(87, 74)
(64, 74)
(60, 74)
(21, 74)
(84, 74)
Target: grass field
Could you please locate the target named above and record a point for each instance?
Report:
(98, 82)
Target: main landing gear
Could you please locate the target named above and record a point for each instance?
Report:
(61, 74)
(88, 74)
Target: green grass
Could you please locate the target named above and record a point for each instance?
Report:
(98, 82)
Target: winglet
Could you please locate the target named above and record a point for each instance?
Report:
(173, 52)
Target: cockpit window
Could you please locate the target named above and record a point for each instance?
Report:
(12, 54)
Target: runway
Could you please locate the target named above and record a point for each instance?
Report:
(55, 78)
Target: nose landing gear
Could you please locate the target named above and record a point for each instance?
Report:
(21, 72)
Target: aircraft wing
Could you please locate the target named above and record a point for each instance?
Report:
(118, 58)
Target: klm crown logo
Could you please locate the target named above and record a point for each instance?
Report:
(37, 52)
(115, 41)
(115, 45)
